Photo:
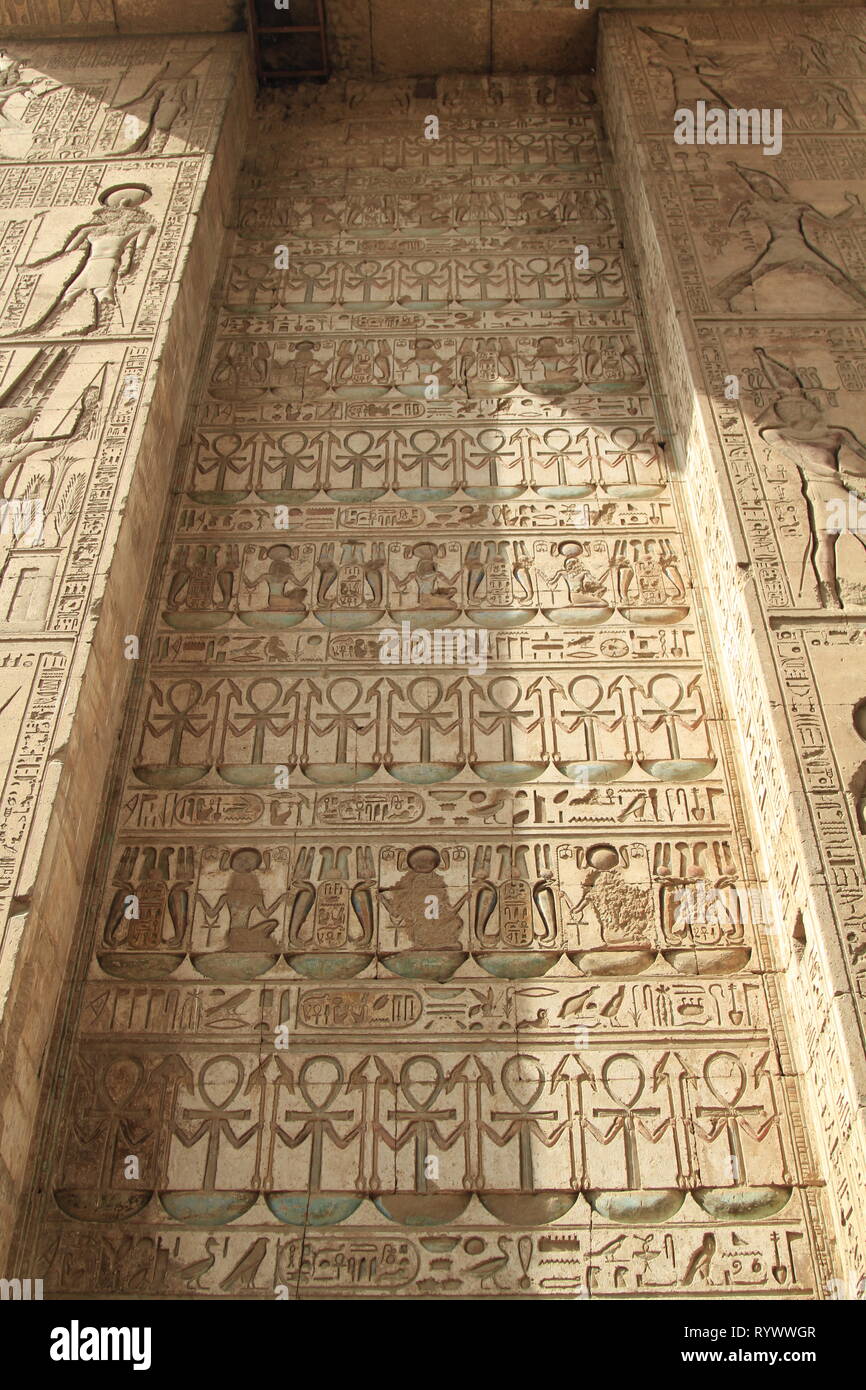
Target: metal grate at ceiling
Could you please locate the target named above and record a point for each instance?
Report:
(288, 39)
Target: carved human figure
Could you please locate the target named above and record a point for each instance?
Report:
(798, 429)
(574, 575)
(167, 96)
(419, 904)
(692, 74)
(829, 107)
(610, 907)
(251, 923)
(434, 588)
(111, 246)
(553, 367)
(841, 55)
(21, 403)
(284, 590)
(18, 442)
(13, 84)
(790, 246)
(10, 80)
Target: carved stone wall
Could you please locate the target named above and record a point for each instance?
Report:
(427, 953)
(116, 159)
(753, 267)
(90, 18)
(366, 38)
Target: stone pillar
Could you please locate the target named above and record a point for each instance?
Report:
(117, 158)
(751, 262)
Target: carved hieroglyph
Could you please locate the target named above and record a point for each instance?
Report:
(417, 966)
(366, 38)
(755, 266)
(111, 153)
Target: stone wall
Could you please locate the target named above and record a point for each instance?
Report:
(425, 951)
(752, 268)
(117, 158)
(366, 38)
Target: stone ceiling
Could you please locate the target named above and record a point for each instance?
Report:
(380, 38)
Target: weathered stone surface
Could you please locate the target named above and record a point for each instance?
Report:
(368, 38)
(480, 885)
(754, 266)
(115, 163)
(418, 38)
(427, 920)
(81, 18)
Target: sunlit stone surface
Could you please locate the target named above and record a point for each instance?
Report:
(476, 909)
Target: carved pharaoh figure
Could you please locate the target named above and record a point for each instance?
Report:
(817, 448)
(790, 246)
